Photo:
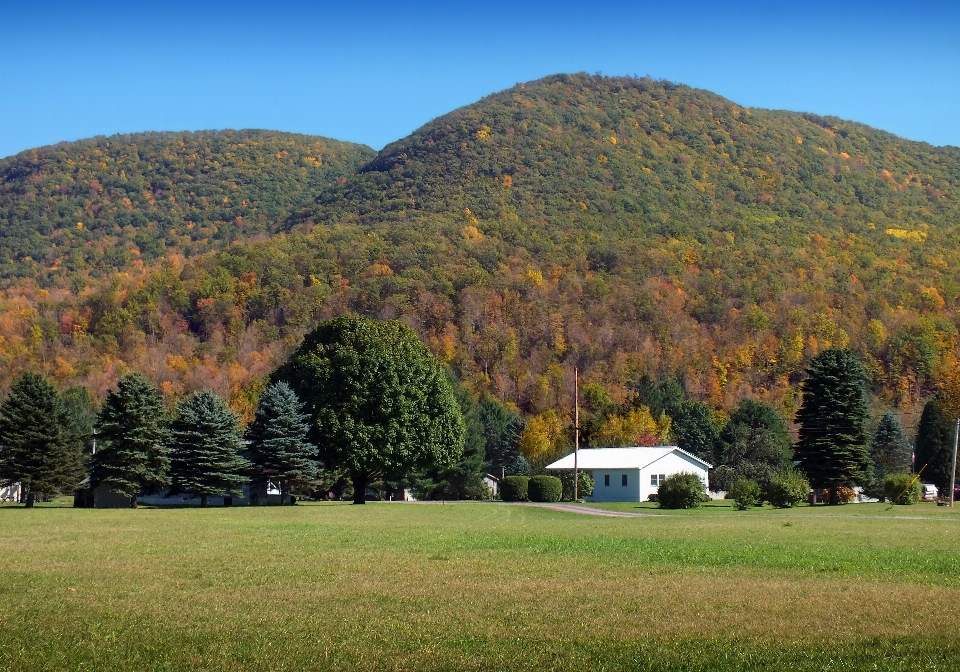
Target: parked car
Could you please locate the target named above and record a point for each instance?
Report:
(929, 493)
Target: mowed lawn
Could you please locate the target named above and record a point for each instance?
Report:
(479, 586)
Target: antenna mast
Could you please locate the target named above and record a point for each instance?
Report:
(576, 433)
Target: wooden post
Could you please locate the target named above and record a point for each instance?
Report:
(576, 433)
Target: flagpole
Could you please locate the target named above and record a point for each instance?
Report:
(576, 433)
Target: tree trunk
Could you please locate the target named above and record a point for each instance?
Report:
(360, 487)
(284, 492)
(133, 502)
(203, 501)
(30, 498)
(834, 497)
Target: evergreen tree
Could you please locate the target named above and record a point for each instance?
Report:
(279, 450)
(205, 440)
(82, 409)
(755, 445)
(133, 433)
(501, 433)
(935, 445)
(694, 430)
(891, 452)
(832, 450)
(39, 444)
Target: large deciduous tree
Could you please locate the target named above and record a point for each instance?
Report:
(133, 433)
(205, 441)
(279, 449)
(379, 402)
(755, 444)
(832, 448)
(40, 446)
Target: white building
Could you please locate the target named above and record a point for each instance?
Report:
(632, 474)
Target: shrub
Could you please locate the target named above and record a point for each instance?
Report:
(899, 489)
(545, 489)
(681, 491)
(745, 493)
(787, 489)
(584, 485)
(514, 489)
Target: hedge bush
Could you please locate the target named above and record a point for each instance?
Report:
(584, 485)
(787, 489)
(899, 490)
(545, 489)
(745, 492)
(681, 491)
(514, 489)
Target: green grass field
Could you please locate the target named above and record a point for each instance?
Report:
(479, 587)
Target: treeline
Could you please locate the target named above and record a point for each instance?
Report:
(646, 230)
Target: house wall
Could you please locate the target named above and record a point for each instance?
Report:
(674, 463)
(616, 491)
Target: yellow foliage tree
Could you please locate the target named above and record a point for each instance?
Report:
(545, 438)
(637, 428)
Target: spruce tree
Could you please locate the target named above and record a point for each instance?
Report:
(132, 429)
(832, 450)
(935, 445)
(39, 444)
(278, 448)
(205, 443)
(890, 451)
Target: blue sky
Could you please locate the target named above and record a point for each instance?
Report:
(372, 72)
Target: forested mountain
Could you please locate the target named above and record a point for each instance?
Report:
(624, 226)
(97, 205)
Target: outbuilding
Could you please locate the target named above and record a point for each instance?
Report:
(632, 474)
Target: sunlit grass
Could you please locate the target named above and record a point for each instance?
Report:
(477, 586)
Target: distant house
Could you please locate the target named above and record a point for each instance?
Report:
(10, 493)
(632, 474)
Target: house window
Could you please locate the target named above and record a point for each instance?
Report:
(606, 480)
(657, 479)
(623, 479)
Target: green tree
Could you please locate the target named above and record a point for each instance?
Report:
(133, 432)
(891, 452)
(463, 479)
(82, 409)
(502, 429)
(205, 438)
(935, 445)
(694, 429)
(755, 444)
(39, 444)
(379, 402)
(279, 449)
(832, 449)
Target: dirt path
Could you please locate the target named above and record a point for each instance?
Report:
(589, 510)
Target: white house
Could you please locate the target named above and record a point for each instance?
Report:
(632, 474)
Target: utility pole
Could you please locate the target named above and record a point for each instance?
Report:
(576, 434)
(953, 467)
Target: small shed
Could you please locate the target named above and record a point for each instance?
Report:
(632, 474)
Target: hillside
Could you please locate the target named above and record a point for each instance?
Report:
(624, 226)
(98, 204)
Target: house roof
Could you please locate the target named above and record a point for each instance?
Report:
(637, 457)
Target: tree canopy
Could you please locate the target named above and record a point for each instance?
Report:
(379, 402)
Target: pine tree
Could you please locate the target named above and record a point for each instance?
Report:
(279, 449)
(935, 445)
(132, 428)
(890, 451)
(39, 444)
(832, 450)
(205, 441)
